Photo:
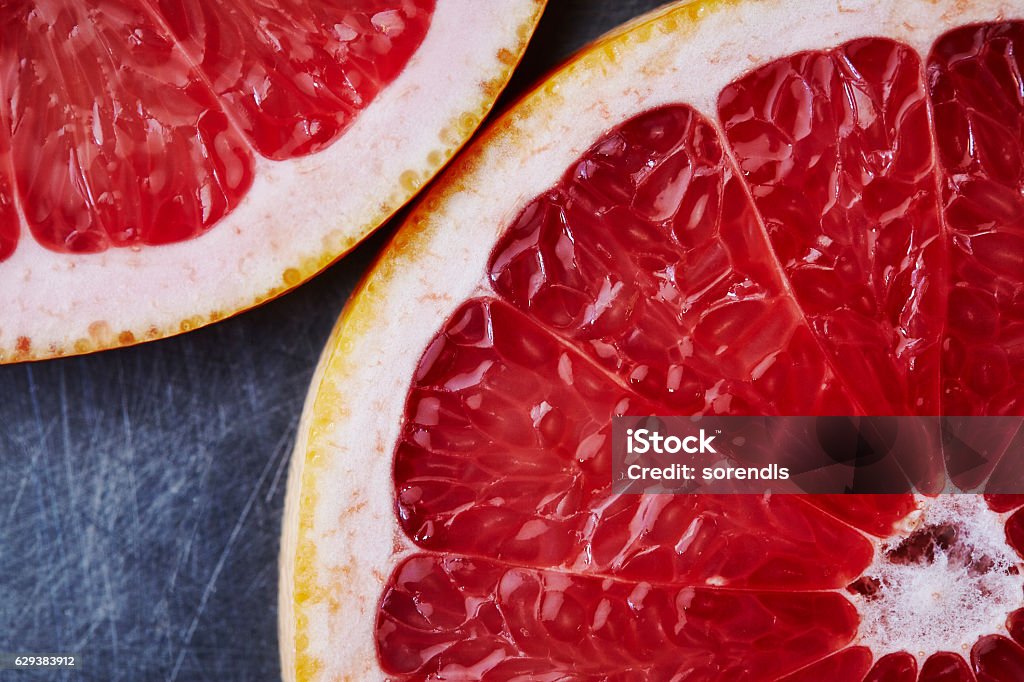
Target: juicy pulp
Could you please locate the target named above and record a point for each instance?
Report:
(653, 278)
(128, 124)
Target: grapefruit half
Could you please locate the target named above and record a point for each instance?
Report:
(759, 207)
(166, 163)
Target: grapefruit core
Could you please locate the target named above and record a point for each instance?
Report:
(164, 164)
(763, 207)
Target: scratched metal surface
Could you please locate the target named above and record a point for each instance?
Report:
(141, 490)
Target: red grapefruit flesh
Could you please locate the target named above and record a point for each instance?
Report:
(295, 76)
(547, 625)
(836, 151)
(647, 261)
(115, 138)
(979, 123)
(790, 232)
(134, 125)
(141, 111)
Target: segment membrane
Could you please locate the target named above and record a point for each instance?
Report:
(848, 664)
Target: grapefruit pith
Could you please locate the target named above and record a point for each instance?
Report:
(789, 208)
(166, 163)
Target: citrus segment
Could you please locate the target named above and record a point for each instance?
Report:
(116, 139)
(836, 149)
(1004, 503)
(1015, 530)
(898, 667)
(997, 658)
(975, 76)
(485, 380)
(293, 75)
(945, 667)
(498, 460)
(459, 618)
(1015, 625)
(648, 256)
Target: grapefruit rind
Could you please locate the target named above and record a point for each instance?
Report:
(340, 535)
(298, 218)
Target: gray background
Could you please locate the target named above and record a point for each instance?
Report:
(141, 489)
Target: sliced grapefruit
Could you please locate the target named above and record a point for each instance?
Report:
(778, 208)
(166, 163)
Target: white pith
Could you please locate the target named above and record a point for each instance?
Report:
(438, 260)
(926, 607)
(296, 211)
